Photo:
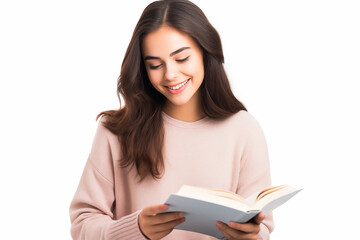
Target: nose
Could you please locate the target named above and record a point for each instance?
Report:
(171, 72)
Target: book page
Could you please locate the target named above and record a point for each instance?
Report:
(268, 199)
(221, 197)
(275, 199)
(269, 190)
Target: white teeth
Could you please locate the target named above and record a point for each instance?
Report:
(179, 86)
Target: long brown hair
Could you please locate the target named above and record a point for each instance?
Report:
(139, 124)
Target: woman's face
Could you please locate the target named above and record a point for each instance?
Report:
(174, 64)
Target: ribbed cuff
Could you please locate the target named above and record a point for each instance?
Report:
(125, 228)
(264, 233)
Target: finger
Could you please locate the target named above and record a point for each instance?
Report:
(152, 210)
(233, 233)
(227, 233)
(222, 227)
(227, 236)
(160, 235)
(259, 218)
(249, 227)
(167, 226)
(166, 217)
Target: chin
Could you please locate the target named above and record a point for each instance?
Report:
(179, 100)
(179, 103)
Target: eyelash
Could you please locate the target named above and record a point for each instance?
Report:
(183, 60)
(179, 61)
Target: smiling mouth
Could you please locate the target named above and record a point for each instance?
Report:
(178, 86)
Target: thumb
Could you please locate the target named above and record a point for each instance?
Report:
(259, 218)
(152, 210)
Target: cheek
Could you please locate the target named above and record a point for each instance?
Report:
(155, 77)
(196, 69)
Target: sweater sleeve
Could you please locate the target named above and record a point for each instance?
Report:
(255, 169)
(91, 210)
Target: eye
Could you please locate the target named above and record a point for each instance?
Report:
(154, 67)
(183, 60)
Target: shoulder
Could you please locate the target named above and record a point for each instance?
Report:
(245, 126)
(103, 131)
(242, 120)
(104, 139)
(241, 126)
(244, 116)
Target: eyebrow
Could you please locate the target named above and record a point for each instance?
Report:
(171, 54)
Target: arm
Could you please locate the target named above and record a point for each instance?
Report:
(255, 169)
(91, 211)
(254, 175)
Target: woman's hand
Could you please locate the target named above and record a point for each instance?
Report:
(242, 231)
(156, 226)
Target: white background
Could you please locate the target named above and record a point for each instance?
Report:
(294, 64)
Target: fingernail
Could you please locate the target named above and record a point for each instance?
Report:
(218, 224)
(231, 224)
(181, 214)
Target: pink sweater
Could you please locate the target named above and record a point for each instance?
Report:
(230, 154)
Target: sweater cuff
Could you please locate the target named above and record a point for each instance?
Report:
(264, 233)
(126, 227)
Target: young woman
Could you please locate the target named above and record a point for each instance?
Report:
(180, 124)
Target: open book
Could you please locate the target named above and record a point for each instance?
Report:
(203, 207)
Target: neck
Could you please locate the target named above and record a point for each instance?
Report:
(190, 112)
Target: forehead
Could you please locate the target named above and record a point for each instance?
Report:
(166, 40)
